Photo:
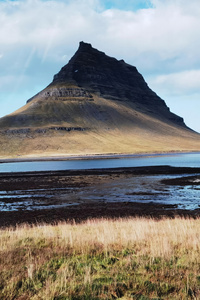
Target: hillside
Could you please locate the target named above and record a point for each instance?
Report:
(94, 105)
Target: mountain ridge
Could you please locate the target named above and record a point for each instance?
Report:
(95, 72)
(95, 104)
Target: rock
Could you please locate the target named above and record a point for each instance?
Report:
(62, 93)
(96, 73)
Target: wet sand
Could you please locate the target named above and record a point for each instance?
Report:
(89, 209)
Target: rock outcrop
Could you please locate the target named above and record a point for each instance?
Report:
(63, 93)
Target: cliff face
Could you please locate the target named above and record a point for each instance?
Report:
(96, 104)
(104, 75)
(93, 72)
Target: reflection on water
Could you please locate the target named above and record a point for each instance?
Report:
(176, 160)
(143, 189)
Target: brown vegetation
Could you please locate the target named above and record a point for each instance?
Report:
(124, 130)
(135, 258)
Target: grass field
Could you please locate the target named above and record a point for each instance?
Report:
(136, 258)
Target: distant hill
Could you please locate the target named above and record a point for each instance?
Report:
(94, 105)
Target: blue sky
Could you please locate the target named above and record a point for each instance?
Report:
(127, 4)
(110, 4)
(160, 37)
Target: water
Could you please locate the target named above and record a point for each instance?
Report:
(145, 189)
(176, 160)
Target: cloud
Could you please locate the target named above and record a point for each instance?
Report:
(176, 84)
(49, 25)
(166, 36)
(161, 38)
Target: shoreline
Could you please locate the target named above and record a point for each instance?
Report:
(91, 156)
(147, 170)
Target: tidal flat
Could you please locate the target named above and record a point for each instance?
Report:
(54, 196)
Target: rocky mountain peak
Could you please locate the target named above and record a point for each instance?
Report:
(112, 79)
(84, 46)
(103, 75)
(91, 72)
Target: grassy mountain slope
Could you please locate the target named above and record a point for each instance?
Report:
(89, 127)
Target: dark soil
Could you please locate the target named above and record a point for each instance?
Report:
(183, 181)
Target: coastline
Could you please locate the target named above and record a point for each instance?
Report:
(91, 156)
(146, 170)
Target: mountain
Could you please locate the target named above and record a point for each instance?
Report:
(96, 104)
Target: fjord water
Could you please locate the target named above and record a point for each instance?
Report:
(175, 160)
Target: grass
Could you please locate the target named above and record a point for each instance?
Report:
(111, 127)
(134, 258)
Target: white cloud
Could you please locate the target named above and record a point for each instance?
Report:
(165, 37)
(181, 83)
(168, 33)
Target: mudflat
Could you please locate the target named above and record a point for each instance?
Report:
(54, 183)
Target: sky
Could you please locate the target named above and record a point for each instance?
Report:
(160, 37)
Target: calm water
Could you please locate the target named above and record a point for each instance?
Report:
(128, 189)
(176, 160)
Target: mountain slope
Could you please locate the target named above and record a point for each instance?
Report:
(95, 104)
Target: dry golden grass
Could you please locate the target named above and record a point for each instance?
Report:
(134, 258)
(111, 127)
(75, 144)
